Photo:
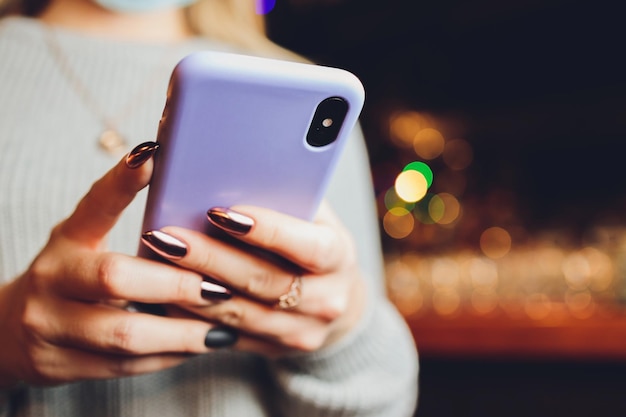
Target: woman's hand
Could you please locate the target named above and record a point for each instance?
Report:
(321, 277)
(64, 318)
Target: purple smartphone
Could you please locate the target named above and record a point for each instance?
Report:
(246, 130)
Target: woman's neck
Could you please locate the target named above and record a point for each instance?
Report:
(167, 25)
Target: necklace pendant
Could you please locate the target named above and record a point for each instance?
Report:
(112, 142)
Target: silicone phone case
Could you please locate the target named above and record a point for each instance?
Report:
(234, 132)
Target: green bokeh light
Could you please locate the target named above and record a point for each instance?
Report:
(422, 168)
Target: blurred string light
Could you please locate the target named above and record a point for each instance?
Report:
(413, 182)
(422, 210)
(410, 193)
(409, 201)
(545, 279)
(495, 242)
(398, 223)
(405, 291)
(423, 169)
(588, 268)
(538, 282)
(428, 143)
(392, 200)
(405, 125)
(484, 280)
(410, 186)
(446, 278)
(444, 208)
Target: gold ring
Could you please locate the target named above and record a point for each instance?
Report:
(291, 298)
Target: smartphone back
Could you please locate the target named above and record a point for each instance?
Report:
(246, 130)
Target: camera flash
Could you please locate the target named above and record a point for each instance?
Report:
(327, 122)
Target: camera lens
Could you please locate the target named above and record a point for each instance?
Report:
(327, 121)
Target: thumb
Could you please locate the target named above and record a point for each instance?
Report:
(100, 208)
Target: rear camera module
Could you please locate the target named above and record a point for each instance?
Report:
(327, 121)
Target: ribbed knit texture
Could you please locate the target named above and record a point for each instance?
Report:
(49, 157)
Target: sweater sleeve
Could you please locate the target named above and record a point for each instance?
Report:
(373, 371)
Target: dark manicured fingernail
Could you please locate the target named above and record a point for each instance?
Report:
(230, 221)
(214, 292)
(221, 337)
(138, 156)
(165, 245)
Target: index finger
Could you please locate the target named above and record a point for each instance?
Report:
(100, 208)
(319, 246)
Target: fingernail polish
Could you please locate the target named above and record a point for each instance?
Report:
(211, 291)
(230, 221)
(220, 337)
(140, 154)
(165, 245)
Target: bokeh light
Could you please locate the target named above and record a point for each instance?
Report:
(398, 223)
(404, 288)
(392, 200)
(495, 242)
(537, 306)
(580, 304)
(446, 273)
(422, 168)
(458, 154)
(446, 302)
(529, 283)
(404, 126)
(436, 208)
(411, 186)
(422, 210)
(602, 271)
(429, 143)
(588, 268)
(576, 271)
(484, 301)
(444, 208)
(483, 273)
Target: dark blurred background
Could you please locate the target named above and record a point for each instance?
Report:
(537, 88)
(519, 109)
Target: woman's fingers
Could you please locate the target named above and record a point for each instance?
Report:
(56, 365)
(95, 276)
(98, 327)
(237, 268)
(318, 247)
(100, 208)
(248, 341)
(312, 264)
(317, 250)
(324, 296)
(67, 340)
(291, 329)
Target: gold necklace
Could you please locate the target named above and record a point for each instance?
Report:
(110, 139)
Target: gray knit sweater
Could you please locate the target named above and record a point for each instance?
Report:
(48, 159)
